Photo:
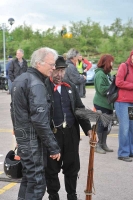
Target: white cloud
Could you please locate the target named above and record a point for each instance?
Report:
(43, 14)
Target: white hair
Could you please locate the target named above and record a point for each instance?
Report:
(21, 50)
(72, 53)
(39, 55)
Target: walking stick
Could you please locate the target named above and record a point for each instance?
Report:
(88, 114)
(89, 185)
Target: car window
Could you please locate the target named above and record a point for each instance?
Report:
(2, 67)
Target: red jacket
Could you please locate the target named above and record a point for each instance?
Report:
(125, 93)
(89, 64)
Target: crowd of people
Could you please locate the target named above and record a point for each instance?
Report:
(47, 131)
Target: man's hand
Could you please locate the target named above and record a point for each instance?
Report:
(56, 156)
(84, 77)
(90, 135)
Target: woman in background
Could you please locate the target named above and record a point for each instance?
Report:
(124, 81)
(100, 102)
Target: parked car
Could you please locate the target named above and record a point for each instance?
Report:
(2, 67)
(3, 80)
(90, 74)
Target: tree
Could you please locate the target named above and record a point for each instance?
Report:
(116, 28)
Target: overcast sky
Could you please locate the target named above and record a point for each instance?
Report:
(43, 14)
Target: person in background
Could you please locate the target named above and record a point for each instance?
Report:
(7, 76)
(72, 73)
(87, 64)
(64, 56)
(30, 117)
(65, 125)
(18, 65)
(63, 31)
(101, 83)
(83, 66)
(122, 104)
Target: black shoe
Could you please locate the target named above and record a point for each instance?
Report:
(72, 196)
(126, 159)
(54, 197)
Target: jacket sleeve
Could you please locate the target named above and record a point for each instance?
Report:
(84, 123)
(74, 75)
(120, 82)
(102, 84)
(10, 72)
(39, 111)
(89, 64)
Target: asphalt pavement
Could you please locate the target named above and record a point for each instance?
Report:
(113, 179)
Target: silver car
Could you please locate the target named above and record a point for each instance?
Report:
(90, 74)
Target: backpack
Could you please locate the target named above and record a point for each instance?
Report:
(112, 92)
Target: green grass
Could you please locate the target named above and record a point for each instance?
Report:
(89, 86)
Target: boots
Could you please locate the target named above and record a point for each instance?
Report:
(98, 147)
(104, 145)
(54, 197)
(72, 196)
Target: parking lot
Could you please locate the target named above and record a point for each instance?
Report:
(113, 179)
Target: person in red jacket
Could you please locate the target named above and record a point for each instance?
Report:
(83, 65)
(124, 108)
(87, 64)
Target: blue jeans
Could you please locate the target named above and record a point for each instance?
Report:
(9, 85)
(125, 129)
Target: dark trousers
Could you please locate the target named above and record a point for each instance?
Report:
(33, 183)
(68, 141)
(100, 127)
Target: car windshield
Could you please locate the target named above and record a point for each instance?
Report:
(92, 68)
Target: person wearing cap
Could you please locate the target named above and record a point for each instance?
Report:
(7, 75)
(18, 65)
(64, 99)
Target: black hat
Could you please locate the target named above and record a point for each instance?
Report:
(60, 62)
(9, 56)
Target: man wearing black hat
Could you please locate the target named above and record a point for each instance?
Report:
(65, 125)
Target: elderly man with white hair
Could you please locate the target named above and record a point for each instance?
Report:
(30, 117)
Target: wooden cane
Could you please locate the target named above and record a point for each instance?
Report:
(89, 185)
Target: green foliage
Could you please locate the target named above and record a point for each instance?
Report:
(89, 38)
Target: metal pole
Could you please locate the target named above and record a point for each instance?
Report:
(4, 48)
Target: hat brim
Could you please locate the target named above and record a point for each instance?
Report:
(61, 66)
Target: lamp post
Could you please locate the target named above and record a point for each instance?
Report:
(11, 22)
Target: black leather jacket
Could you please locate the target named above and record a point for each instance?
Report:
(15, 70)
(30, 108)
